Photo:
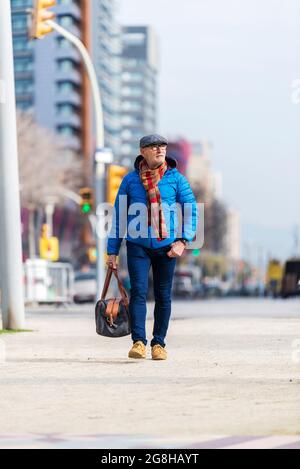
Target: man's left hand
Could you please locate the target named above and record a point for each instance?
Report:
(177, 249)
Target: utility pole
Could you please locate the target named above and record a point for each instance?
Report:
(12, 299)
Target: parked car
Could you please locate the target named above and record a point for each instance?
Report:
(85, 287)
(183, 285)
(291, 278)
(186, 285)
(212, 287)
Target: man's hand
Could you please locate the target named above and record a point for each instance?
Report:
(177, 249)
(112, 261)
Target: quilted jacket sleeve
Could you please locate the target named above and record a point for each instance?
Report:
(119, 222)
(190, 215)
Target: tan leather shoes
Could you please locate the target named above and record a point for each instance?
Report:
(158, 352)
(138, 350)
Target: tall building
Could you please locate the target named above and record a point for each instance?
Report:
(23, 55)
(199, 170)
(138, 88)
(105, 46)
(51, 80)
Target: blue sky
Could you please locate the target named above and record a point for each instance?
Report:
(226, 74)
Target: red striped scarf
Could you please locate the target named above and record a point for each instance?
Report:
(150, 179)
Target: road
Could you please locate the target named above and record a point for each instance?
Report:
(233, 374)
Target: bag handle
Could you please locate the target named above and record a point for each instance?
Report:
(106, 283)
(122, 290)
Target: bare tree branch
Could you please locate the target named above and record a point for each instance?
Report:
(46, 166)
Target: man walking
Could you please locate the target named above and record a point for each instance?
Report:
(157, 185)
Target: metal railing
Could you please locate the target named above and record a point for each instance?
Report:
(48, 282)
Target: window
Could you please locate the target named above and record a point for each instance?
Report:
(23, 65)
(126, 134)
(63, 43)
(126, 149)
(65, 109)
(21, 44)
(131, 106)
(21, 3)
(24, 105)
(66, 131)
(66, 87)
(24, 86)
(66, 21)
(66, 65)
(130, 120)
(135, 91)
(130, 76)
(134, 38)
(19, 22)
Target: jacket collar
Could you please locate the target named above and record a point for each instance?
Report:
(172, 163)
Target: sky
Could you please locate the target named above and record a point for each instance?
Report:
(228, 74)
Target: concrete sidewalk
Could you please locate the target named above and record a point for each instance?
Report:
(226, 375)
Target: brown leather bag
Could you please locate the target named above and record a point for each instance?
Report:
(112, 315)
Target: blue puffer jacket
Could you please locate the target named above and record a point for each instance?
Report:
(174, 188)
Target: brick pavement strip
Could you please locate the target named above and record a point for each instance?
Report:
(232, 370)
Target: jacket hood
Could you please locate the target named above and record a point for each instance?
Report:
(172, 163)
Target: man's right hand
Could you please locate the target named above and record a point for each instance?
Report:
(112, 261)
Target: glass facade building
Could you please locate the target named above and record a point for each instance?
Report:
(138, 88)
(50, 78)
(105, 48)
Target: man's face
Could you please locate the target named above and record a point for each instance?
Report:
(154, 155)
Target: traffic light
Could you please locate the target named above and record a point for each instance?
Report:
(87, 200)
(45, 231)
(115, 176)
(49, 246)
(40, 16)
(92, 255)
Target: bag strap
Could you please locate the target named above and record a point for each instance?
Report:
(122, 290)
(106, 283)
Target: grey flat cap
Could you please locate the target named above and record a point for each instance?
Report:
(153, 139)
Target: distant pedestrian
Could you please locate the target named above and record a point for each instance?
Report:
(154, 181)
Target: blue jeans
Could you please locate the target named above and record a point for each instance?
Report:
(139, 261)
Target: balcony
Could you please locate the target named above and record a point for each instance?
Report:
(71, 75)
(72, 97)
(23, 75)
(72, 143)
(23, 53)
(72, 120)
(68, 52)
(71, 9)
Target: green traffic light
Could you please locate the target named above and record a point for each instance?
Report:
(196, 252)
(86, 208)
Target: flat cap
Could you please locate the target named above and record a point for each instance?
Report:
(153, 139)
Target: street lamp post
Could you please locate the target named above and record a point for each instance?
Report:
(12, 298)
(102, 155)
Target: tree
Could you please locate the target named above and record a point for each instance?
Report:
(46, 166)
